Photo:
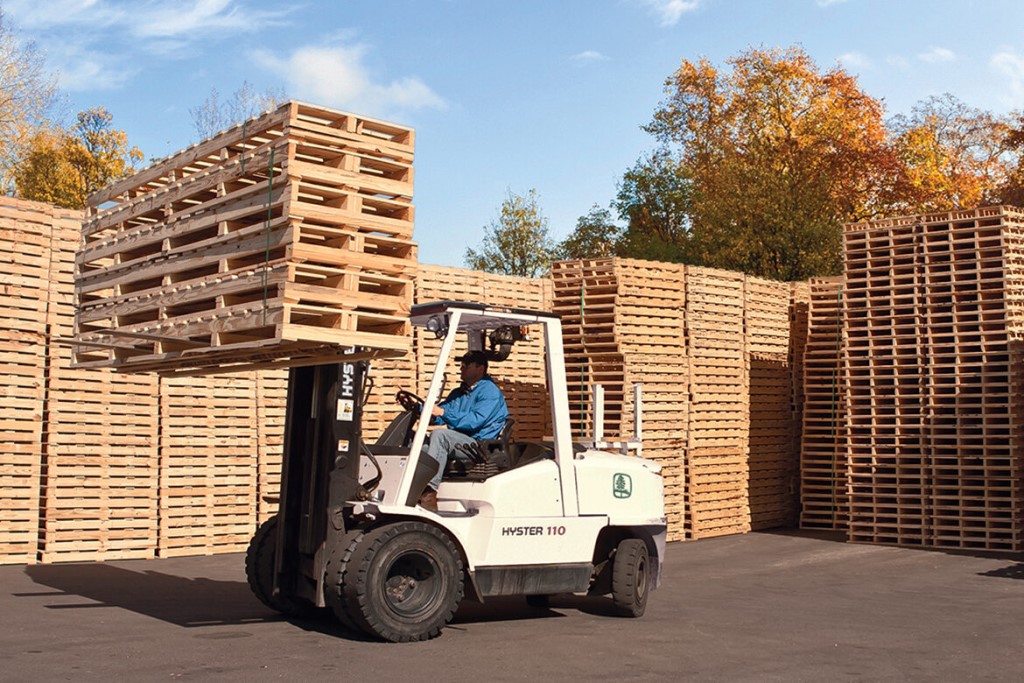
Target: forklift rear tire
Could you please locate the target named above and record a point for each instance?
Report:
(259, 570)
(630, 578)
(404, 581)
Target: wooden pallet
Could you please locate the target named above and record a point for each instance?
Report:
(278, 240)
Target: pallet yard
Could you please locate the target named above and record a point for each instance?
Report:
(274, 243)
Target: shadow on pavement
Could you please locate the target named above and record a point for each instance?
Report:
(1014, 571)
(174, 599)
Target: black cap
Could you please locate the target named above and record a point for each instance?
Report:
(478, 357)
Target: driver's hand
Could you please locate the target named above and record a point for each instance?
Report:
(437, 411)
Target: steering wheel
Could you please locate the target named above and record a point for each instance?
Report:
(409, 401)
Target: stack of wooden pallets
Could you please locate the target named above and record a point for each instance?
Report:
(823, 466)
(624, 324)
(774, 476)
(932, 312)
(25, 235)
(99, 440)
(718, 474)
(277, 242)
(271, 404)
(208, 464)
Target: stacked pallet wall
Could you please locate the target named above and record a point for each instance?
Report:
(209, 450)
(823, 463)
(25, 235)
(281, 241)
(718, 475)
(272, 398)
(100, 463)
(934, 366)
(774, 474)
(624, 324)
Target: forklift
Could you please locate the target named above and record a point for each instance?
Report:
(534, 519)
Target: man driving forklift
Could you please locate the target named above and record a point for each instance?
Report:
(474, 410)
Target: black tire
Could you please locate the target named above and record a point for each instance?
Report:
(259, 571)
(630, 578)
(404, 581)
(336, 575)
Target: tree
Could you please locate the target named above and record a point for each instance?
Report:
(654, 198)
(214, 114)
(64, 167)
(779, 154)
(517, 243)
(27, 92)
(596, 236)
(952, 155)
(1012, 191)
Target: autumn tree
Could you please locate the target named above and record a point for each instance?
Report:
(1012, 191)
(216, 113)
(952, 156)
(517, 242)
(778, 154)
(654, 198)
(596, 236)
(27, 92)
(64, 166)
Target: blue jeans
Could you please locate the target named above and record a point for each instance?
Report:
(442, 444)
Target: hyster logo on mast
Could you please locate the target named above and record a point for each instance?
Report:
(622, 485)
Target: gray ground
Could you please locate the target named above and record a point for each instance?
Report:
(757, 607)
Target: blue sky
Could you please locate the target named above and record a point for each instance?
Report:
(504, 95)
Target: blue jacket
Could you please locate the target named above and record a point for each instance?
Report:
(478, 412)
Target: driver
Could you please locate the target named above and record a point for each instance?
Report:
(474, 410)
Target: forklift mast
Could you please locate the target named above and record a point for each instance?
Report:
(322, 443)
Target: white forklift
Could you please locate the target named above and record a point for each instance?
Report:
(531, 519)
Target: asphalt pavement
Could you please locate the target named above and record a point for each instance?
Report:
(781, 606)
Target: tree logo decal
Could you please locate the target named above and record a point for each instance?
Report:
(622, 485)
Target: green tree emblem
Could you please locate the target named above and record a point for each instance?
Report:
(622, 485)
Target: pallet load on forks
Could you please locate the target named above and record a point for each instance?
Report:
(277, 242)
(533, 519)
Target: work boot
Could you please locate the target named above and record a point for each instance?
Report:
(428, 499)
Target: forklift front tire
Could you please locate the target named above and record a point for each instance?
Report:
(259, 571)
(404, 581)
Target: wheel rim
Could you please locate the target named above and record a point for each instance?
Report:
(412, 584)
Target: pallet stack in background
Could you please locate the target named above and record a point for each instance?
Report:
(100, 454)
(772, 458)
(25, 235)
(208, 449)
(276, 242)
(719, 426)
(624, 324)
(823, 454)
(932, 312)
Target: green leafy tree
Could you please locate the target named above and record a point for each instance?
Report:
(654, 198)
(64, 167)
(517, 243)
(778, 154)
(596, 236)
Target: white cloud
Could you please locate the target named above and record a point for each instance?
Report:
(588, 57)
(670, 11)
(826, 3)
(337, 77)
(937, 55)
(855, 60)
(898, 61)
(1011, 65)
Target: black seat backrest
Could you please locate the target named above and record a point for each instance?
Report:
(501, 441)
(399, 431)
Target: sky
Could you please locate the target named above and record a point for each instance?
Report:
(505, 95)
